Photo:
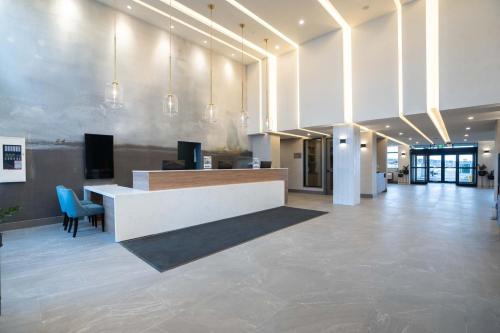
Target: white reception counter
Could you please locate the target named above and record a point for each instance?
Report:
(132, 213)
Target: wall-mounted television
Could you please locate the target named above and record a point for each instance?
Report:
(99, 162)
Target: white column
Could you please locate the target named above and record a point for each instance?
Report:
(346, 165)
(369, 165)
(403, 160)
(267, 148)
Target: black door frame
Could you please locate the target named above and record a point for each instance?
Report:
(443, 152)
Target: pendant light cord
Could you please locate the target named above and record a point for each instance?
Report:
(267, 87)
(170, 51)
(114, 51)
(242, 69)
(211, 6)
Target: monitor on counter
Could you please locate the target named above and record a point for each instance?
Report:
(99, 160)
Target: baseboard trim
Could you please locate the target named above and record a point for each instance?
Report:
(306, 191)
(30, 223)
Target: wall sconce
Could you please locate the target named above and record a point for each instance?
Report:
(343, 141)
(403, 154)
(363, 146)
(486, 151)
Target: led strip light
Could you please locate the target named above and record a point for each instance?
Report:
(160, 12)
(364, 128)
(315, 132)
(400, 73)
(432, 66)
(288, 134)
(271, 28)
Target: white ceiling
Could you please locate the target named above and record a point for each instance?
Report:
(283, 15)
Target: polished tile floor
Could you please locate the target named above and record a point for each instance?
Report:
(416, 259)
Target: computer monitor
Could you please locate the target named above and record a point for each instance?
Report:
(265, 164)
(173, 165)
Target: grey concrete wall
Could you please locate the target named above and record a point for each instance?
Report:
(55, 60)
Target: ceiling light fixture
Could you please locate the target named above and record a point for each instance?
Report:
(467, 128)
(465, 140)
(401, 133)
(170, 101)
(129, 7)
(210, 110)
(470, 118)
(387, 126)
(301, 22)
(113, 93)
(277, 47)
(243, 113)
(466, 135)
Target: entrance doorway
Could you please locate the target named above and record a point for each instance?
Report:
(445, 165)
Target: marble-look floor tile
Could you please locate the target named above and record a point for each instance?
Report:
(420, 259)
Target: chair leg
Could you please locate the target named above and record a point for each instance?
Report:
(70, 224)
(65, 221)
(102, 219)
(76, 227)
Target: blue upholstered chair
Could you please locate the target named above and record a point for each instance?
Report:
(63, 210)
(76, 210)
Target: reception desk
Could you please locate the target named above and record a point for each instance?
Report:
(163, 201)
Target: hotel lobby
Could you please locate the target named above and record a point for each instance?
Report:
(249, 166)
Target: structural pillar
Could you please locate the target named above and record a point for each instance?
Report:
(368, 164)
(267, 148)
(346, 165)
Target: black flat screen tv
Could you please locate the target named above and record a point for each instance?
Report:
(99, 163)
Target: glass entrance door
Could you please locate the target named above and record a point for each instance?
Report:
(450, 168)
(466, 169)
(419, 169)
(435, 168)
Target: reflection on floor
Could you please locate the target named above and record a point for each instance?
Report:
(416, 259)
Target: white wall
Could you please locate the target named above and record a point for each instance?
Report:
(375, 69)
(414, 63)
(469, 53)
(346, 165)
(287, 91)
(267, 148)
(321, 81)
(253, 98)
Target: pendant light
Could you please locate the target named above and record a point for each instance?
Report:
(243, 113)
(210, 110)
(268, 120)
(113, 93)
(170, 101)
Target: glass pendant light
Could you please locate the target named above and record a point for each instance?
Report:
(170, 101)
(113, 94)
(243, 113)
(268, 118)
(211, 110)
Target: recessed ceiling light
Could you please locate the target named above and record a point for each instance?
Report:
(467, 128)
(401, 133)
(308, 134)
(172, 27)
(232, 54)
(465, 140)
(466, 135)
(129, 7)
(301, 22)
(470, 118)
(277, 47)
(410, 139)
(204, 42)
(387, 126)
(417, 142)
